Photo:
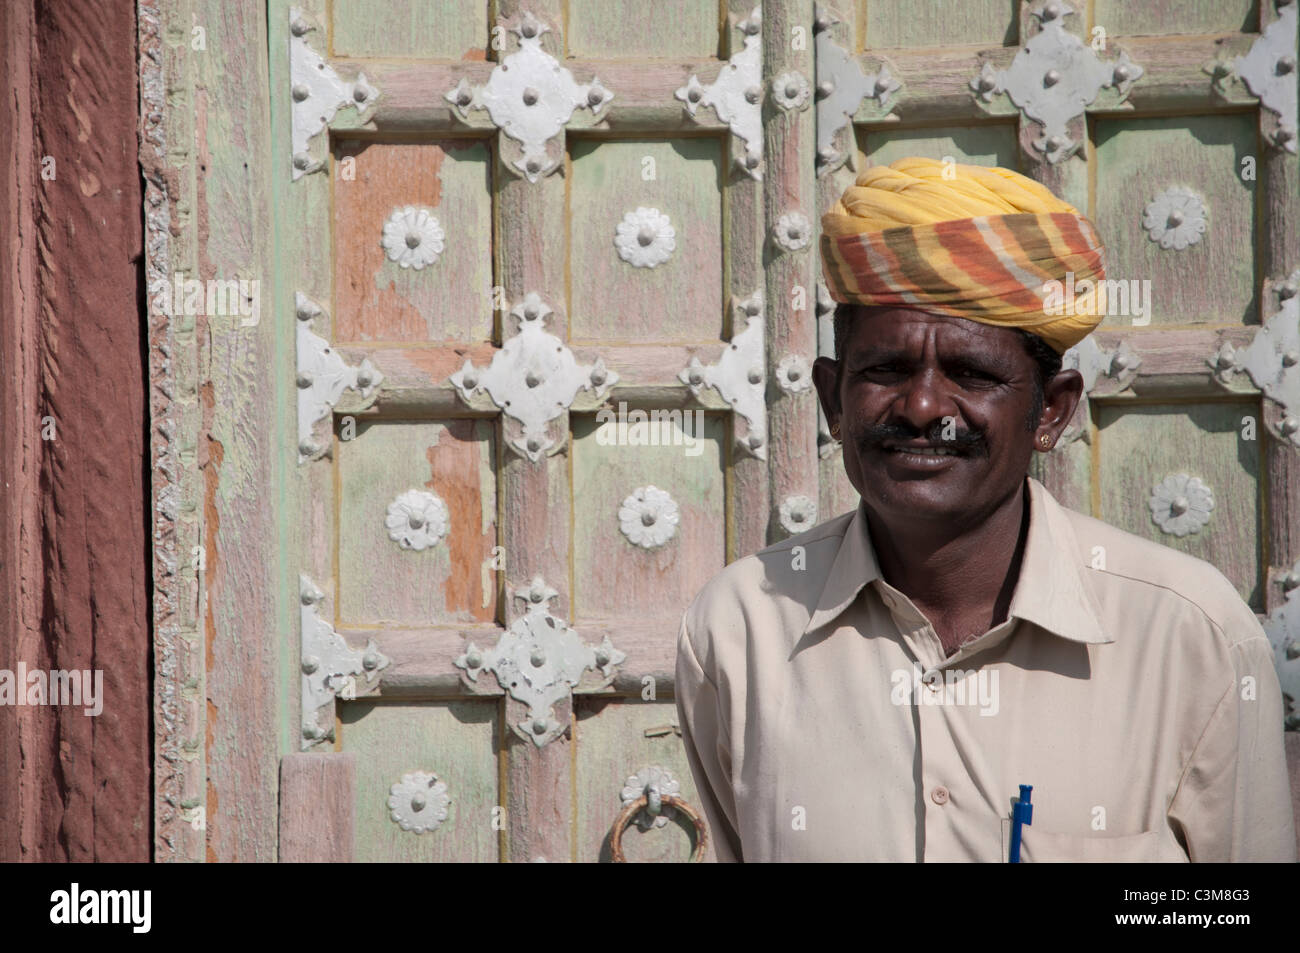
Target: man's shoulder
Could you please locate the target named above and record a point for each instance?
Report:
(1141, 568)
(791, 570)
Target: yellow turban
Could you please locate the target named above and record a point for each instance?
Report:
(986, 244)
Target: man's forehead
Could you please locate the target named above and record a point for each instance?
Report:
(894, 327)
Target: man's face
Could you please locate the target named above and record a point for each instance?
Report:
(933, 413)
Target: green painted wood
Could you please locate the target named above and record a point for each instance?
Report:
(745, 231)
(1214, 280)
(237, 393)
(1279, 254)
(680, 299)
(376, 298)
(902, 23)
(1066, 471)
(456, 741)
(989, 144)
(1129, 18)
(790, 325)
(379, 582)
(1140, 446)
(166, 77)
(627, 29)
(836, 494)
(531, 256)
(429, 29)
(612, 745)
(616, 579)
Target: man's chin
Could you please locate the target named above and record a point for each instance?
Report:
(903, 501)
(923, 489)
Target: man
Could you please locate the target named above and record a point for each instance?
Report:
(878, 687)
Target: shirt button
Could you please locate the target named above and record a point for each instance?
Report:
(931, 680)
(939, 795)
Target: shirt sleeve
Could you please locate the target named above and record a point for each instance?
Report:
(704, 734)
(1234, 803)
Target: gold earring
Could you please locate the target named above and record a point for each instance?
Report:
(835, 430)
(1045, 440)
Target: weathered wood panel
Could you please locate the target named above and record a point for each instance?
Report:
(304, 244)
(317, 796)
(616, 738)
(376, 299)
(990, 144)
(1213, 280)
(176, 418)
(614, 578)
(601, 29)
(744, 237)
(936, 86)
(1066, 471)
(449, 582)
(1126, 18)
(898, 23)
(535, 496)
(442, 30)
(238, 455)
(1138, 446)
(679, 299)
(1279, 257)
(458, 742)
(835, 493)
(791, 269)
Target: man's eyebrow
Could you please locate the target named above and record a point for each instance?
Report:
(882, 353)
(981, 360)
(877, 352)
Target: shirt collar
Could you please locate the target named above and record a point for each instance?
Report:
(854, 566)
(1050, 593)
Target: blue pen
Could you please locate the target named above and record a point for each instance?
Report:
(1022, 812)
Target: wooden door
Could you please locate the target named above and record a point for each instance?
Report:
(526, 254)
(544, 294)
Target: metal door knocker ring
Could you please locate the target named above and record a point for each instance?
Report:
(666, 800)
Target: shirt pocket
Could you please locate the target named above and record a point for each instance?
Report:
(1039, 846)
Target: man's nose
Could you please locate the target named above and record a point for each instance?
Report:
(926, 399)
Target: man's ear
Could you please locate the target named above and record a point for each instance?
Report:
(1061, 396)
(825, 372)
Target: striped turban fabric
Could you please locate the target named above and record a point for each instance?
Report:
(982, 244)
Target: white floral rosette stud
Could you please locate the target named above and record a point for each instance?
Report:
(418, 802)
(417, 520)
(793, 231)
(1181, 504)
(791, 90)
(798, 513)
(1175, 218)
(648, 517)
(413, 237)
(645, 238)
(793, 374)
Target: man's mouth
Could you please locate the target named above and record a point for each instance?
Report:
(920, 450)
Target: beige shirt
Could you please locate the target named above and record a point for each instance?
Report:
(1130, 686)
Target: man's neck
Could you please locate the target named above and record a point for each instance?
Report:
(955, 572)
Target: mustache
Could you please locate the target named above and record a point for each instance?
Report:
(968, 442)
